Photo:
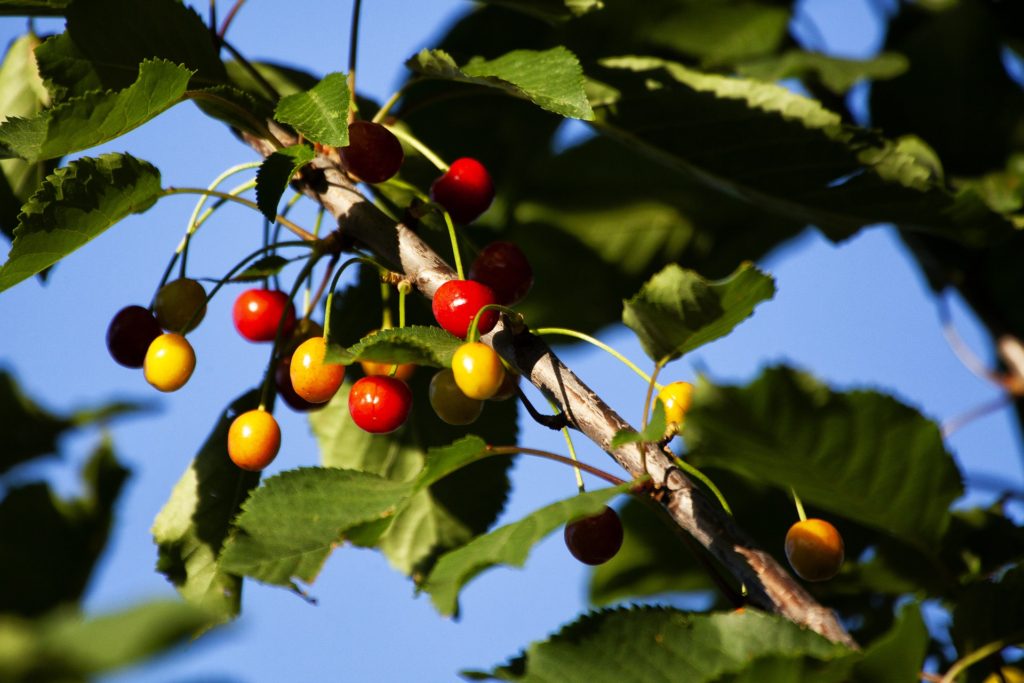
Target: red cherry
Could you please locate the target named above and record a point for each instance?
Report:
(373, 153)
(379, 404)
(457, 302)
(465, 190)
(595, 540)
(503, 267)
(257, 313)
(129, 335)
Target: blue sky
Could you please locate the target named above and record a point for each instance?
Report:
(856, 315)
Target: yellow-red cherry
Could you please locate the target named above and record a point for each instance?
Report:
(312, 379)
(254, 439)
(595, 540)
(129, 335)
(448, 401)
(379, 404)
(478, 370)
(814, 549)
(465, 190)
(676, 398)
(180, 305)
(169, 362)
(457, 302)
(258, 312)
(402, 371)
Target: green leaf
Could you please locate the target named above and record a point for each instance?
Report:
(233, 106)
(49, 545)
(551, 79)
(263, 268)
(33, 8)
(197, 519)
(550, 10)
(842, 452)
(819, 170)
(65, 646)
(29, 430)
(662, 644)
(652, 433)
(106, 40)
(284, 79)
(510, 545)
(92, 119)
(320, 113)
(74, 205)
(899, 654)
(276, 171)
(22, 94)
(722, 33)
(988, 611)
(678, 311)
(838, 74)
(290, 525)
(429, 346)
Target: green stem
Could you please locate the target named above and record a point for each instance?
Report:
(572, 450)
(334, 285)
(385, 306)
(702, 478)
(386, 107)
(471, 333)
(455, 244)
(799, 505)
(511, 450)
(403, 291)
(981, 653)
(414, 142)
(651, 383)
(301, 232)
(599, 344)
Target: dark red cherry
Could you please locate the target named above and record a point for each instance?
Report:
(595, 540)
(503, 267)
(373, 153)
(129, 335)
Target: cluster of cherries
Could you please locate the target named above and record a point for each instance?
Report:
(381, 401)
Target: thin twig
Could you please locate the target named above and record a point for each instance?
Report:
(228, 18)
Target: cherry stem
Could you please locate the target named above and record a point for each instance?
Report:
(511, 450)
(353, 48)
(651, 383)
(599, 344)
(702, 478)
(556, 421)
(385, 306)
(229, 17)
(473, 335)
(268, 378)
(257, 76)
(455, 244)
(323, 285)
(334, 286)
(403, 291)
(237, 267)
(301, 232)
(386, 107)
(957, 422)
(799, 505)
(981, 653)
(310, 302)
(414, 142)
(197, 222)
(572, 451)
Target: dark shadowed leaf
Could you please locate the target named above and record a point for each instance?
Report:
(662, 644)
(275, 173)
(989, 611)
(841, 452)
(320, 113)
(65, 646)
(552, 79)
(678, 311)
(94, 118)
(263, 268)
(29, 430)
(50, 545)
(722, 32)
(508, 545)
(37, 8)
(899, 654)
(838, 74)
(75, 204)
(194, 523)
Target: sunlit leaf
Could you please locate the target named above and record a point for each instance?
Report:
(550, 10)
(75, 204)
(655, 643)
(320, 113)
(678, 311)
(838, 74)
(552, 79)
(428, 346)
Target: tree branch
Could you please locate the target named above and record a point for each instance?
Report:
(769, 586)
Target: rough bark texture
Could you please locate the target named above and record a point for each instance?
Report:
(769, 586)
